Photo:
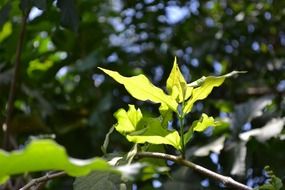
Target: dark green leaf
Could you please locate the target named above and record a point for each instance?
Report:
(26, 5)
(40, 4)
(99, 180)
(4, 13)
(69, 17)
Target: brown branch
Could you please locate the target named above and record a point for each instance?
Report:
(227, 181)
(10, 106)
(38, 181)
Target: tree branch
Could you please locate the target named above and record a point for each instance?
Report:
(227, 181)
(43, 179)
(10, 106)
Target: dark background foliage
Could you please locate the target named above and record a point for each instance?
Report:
(60, 90)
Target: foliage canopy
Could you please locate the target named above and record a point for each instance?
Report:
(60, 90)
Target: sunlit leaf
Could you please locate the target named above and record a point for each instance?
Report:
(142, 89)
(42, 155)
(204, 87)
(154, 133)
(199, 125)
(198, 82)
(37, 65)
(139, 129)
(6, 31)
(176, 84)
(128, 121)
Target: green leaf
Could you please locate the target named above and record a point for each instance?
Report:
(274, 183)
(138, 129)
(128, 121)
(4, 13)
(99, 180)
(176, 84)
(26, 5)
(142, 89)
(41, 4)
(165, 115)
(199, 125)
(198, 82)
(204, 87)
(41, 155)
(69, 17)
(154, 133)
(6, 31)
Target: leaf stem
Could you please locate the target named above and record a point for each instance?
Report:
(181, 126)
(226, 180)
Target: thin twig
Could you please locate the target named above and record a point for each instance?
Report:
(43, 179)
(10, 106)
(227, 181)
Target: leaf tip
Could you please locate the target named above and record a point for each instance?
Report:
(102, 69)
(235, 73)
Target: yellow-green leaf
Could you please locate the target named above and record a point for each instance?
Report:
(142, 89)
(154, 133)
(139, 129)
(128, 121)
(199, 125)
(165, 115)
(43, 155)
(176, 84)
(204, 87)
(6, 31)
